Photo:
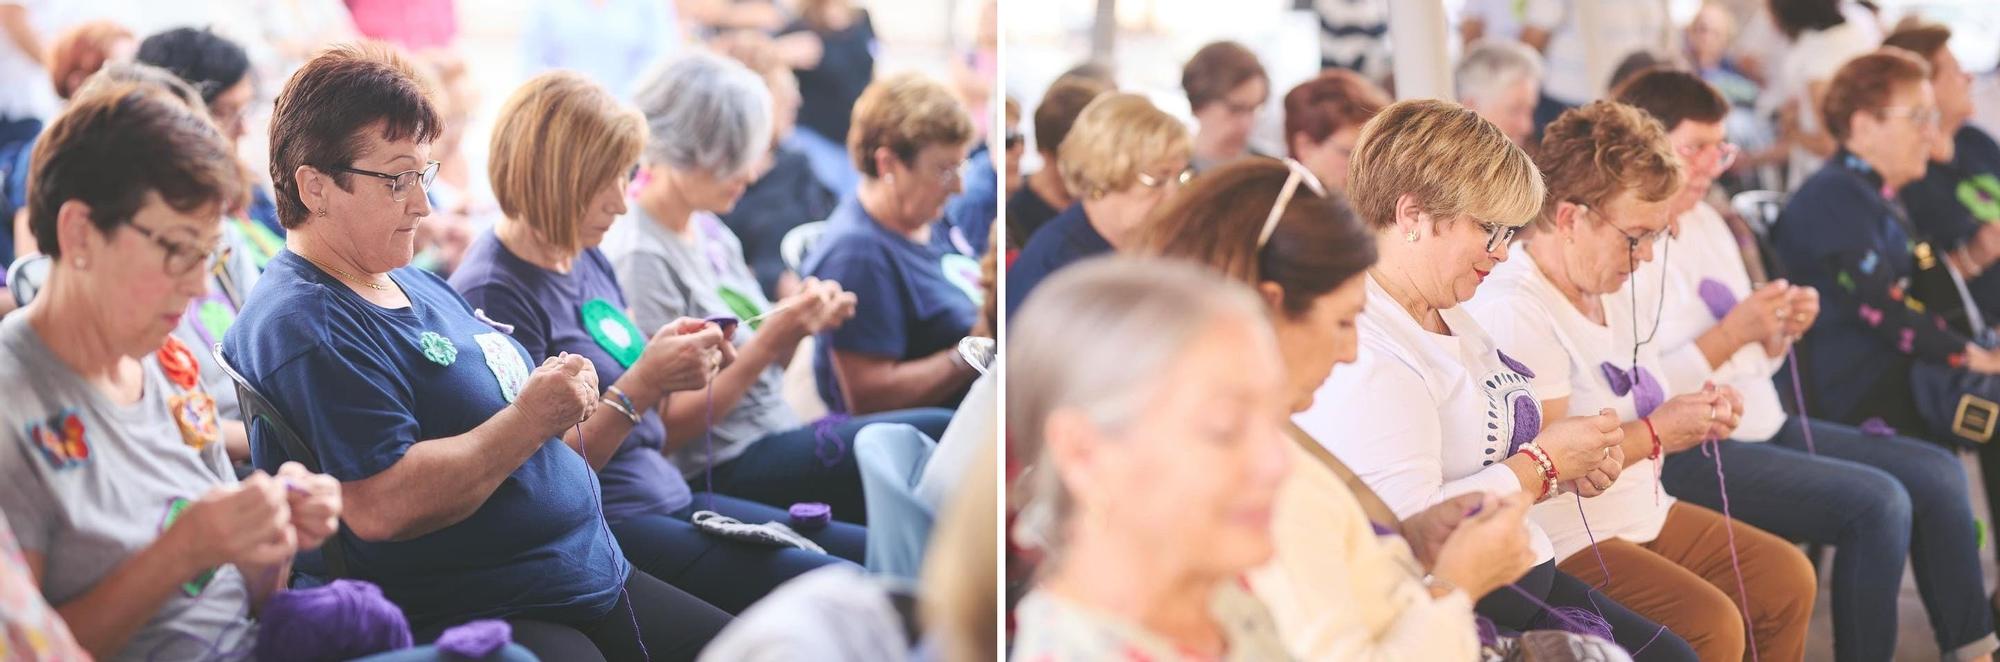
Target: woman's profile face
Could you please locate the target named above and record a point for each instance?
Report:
(375, 230)
(143, 275)
(1323, 337)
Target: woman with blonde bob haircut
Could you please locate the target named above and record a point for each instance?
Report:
(1150, 395)
(1434, 412)
(1583, 346)
(561, 153)
(1121, 158)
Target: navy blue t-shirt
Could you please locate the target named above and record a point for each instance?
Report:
(1955, 199)
(362, 384)
(785, 197)
(912, 299)
(827, 91)
(1067, 238)
(546, 311)
(1027, 212)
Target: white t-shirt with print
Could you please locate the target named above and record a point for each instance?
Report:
(1532, 321)
(1423, 417)
(1705, 257)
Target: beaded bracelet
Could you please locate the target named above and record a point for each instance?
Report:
(1548, 467)
(623, 403)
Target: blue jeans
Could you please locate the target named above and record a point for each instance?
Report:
(783, 468)
(729, 574)
(1877, 500)
(1512, 613)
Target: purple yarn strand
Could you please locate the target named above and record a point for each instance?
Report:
(1799, 393)
(825, 437)
(1729, 524)
(591, 472)
(708, 443)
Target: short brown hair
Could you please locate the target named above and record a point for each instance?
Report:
(559, 141)
(1865, 84)
(80, 52)
(1449, 158)
(904, 113)
(1216, 69)
(1317, 245)
(326, 105)
(1673, 96)
(118, 144)
(1060, 106)
(1595, 153)
(1920, 37)
(1334, 100)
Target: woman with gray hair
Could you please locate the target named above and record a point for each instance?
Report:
(1501, 80)
(1151, 395)
(709, 120)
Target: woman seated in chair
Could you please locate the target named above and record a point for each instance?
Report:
(710, 119)
(172, 562)
(914, 301)
(561, 152)
(472, 488)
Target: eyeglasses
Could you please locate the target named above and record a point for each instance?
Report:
(1725, 154)
(1922, 117)
(400, 183)
(1300, 174)
(1015, 139)
(948, 174)
(1180, 178)
(1633, 241)
(181, 256)
(1497, 235)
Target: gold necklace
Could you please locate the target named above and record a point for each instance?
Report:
(347, 276)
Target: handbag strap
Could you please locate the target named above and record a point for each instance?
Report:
(1371, 505)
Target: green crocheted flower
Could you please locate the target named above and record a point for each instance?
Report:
(613, 331)
(437, 348)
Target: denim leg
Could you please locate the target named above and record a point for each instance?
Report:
(784, 468)
(1944, 541)
(729, 574)
(1860, 510)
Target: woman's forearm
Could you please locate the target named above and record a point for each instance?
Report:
(440, 482)
(876, 384)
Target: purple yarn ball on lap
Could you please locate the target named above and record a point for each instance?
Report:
(476, 639)
(343, 620)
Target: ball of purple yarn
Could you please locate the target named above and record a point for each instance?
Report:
(343, 620)
(811, 516)
(1489, 635)
(476, 639)
(1574, 620)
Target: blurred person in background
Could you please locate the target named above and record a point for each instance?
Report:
(1226, 88)
(1043, 194)
(1578, 57)
(1501, 80)
(1957, 202)
(831, 46)
(609, 41)
(785, 193)
(1822, 40)
(461, 206)
(1323, 119)
(76, 54)
(415, 25)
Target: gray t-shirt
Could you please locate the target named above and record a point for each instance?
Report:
(701, 274)
(87, 483)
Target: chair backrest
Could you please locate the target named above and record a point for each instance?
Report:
(26, 277)
(798, 241)
(1759, 208)
(892, 458)
(256, 408)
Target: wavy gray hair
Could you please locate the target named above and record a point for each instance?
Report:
(1489, 66)
(705, 112)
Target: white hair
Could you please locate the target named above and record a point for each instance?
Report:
(1096, 338)
(1491, 65)
(704, 112)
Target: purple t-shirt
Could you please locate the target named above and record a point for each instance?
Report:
(582, 312)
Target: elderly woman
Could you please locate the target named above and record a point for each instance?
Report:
(539, 271)
(219, 69)
(1121, 158)
(1272, 226)
(1323, 118)
(1957, 202)
(467, 502)
(1226, 87)
(915, 300)
(678, 260)
(1126, 376)
(1501, 80)
(1559, 315)
(1877, 499)
(1461, 418)
(171, 564)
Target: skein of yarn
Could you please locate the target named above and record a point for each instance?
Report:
(343, 620)
(477, 639)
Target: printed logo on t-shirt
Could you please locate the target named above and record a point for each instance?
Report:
(613, 331)
(1513, 415)
(740, 305)
(194, 586)
(1981, 195)
(963, 272)
(194, 414)
(60, 439)
(508, 368)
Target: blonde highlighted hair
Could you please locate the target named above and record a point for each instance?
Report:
(1592, 154)
(1452, 161)
(1113, 140)
(559, 141)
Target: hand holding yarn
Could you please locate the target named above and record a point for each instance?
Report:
(1761, 316)
(1688, 419)
(1602, 477)
(248, 523)
(1428, 529)
(1488, 550)
(1804, 304)
(559, 394)
(314, 500)
(1578, 445)
(839, 307)
(682, 356)
(798, 315)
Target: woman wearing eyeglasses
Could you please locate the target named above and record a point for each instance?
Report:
(915, 300)
(1583, 345)
(466, 502)
(1877, 499)
(1122, 157)
(1432, 412)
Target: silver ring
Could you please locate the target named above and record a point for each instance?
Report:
(1781, 313)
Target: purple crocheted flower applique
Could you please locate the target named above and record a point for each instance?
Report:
(1514, 365)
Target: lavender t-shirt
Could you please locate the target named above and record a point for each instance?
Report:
(582, 312)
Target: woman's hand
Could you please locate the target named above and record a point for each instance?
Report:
(1488, 550)
(559, 394)
(1427, 530)
(1600, 479)
(683, 356)
(249, 524)
(1760, 317)
(314, 500)
(1981, 360)
(1579, 445)
(1688, 419)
